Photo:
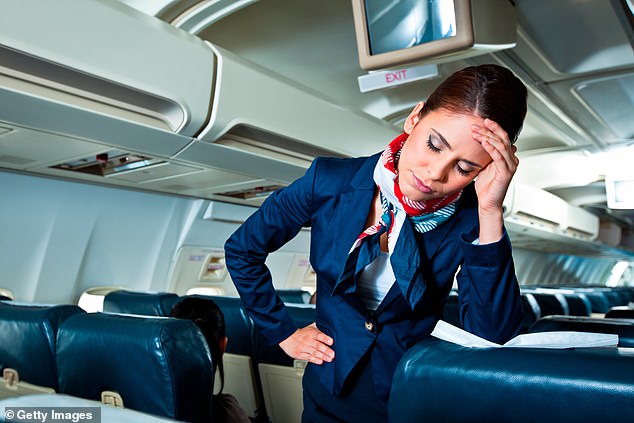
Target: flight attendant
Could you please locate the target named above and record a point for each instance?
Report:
(388, 234)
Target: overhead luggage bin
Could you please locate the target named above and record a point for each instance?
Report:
(145, 71)
(538, 219)
(265, 125)
(101, 92)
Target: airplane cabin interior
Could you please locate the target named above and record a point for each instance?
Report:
(136, 136)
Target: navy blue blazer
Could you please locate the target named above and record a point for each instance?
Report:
(334, 198)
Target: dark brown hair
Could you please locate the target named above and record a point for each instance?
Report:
(206, 314)
(488, 91)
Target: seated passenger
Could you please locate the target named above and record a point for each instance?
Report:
(211, 322)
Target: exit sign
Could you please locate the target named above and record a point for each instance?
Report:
(391, 78)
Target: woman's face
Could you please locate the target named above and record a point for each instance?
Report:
(440, 156)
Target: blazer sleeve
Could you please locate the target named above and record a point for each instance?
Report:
(276, 222)
(488, 290)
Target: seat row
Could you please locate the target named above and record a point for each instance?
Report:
(510, 384)
(158, 366)
(266, 381)
(541, 302)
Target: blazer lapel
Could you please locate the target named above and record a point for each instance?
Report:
(353, 208)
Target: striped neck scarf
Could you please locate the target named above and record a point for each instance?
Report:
(396, 206)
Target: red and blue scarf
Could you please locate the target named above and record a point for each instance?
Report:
(396, 206)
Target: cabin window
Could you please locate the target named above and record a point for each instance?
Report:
(206, 290)
(617, 274)
(6, 292)
(91, 300)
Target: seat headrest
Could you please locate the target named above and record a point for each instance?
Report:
(622, 327)
(143, 303)
(551, 304)
(160, 366)
(293, 296)
(578, 305)
(238, 325)
(512, 384)
(598, 301)
(27, 339)
(620, 312)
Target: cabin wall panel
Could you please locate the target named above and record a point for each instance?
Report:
(213, 234)
(58, 238)
(537, 268)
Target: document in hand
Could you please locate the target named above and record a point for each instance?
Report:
(558, 339)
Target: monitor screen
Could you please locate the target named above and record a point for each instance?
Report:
(397, 32)
(408, 23)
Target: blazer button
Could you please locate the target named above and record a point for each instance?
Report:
(369, 326)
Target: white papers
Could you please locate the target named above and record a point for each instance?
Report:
(557, 339)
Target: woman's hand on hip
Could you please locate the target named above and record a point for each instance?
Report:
(310, 344)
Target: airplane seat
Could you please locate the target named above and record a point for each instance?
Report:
(578, 305)
(241, 377)
(293, 296)
(581, 385)
(142, 303)
(614, 298)
(238, 325)
(27, 344)
(451, 311)
(628, 293)
(598, 301)
(620, 312)
(550, 304)
(531, 310)
(623, 328)
(280, 375)
(159, 366)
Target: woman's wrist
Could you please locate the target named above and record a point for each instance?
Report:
(491, 225)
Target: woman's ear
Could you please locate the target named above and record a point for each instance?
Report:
(412, 119)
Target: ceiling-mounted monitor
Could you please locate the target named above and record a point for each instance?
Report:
(394, 33)
(619, 191)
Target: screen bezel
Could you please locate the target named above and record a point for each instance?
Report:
(464, 38)
(611, 192)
